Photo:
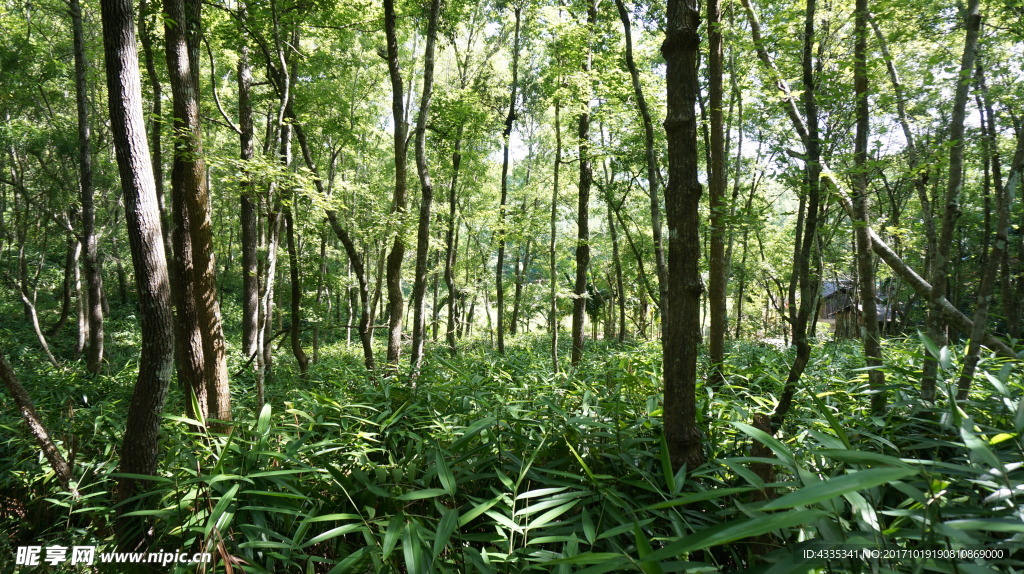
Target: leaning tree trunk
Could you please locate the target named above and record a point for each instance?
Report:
(653, 175)
(156, 362)
(681, 323)
(59, 464)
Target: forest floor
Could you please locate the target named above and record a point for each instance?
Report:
(496, 464)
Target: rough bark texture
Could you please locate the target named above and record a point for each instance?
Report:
(156, 362)
(681, 323)
(419, 287)
(400, 199)
(193, 233)
(91, 259)
(861, 219)
(451, 247)
(718, 269)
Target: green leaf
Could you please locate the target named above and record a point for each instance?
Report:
(780, 450)
(837, 486)
(334, 533)
(444, 473)
(735, 530)
(445, 528)
(220, 517)
(421, 494)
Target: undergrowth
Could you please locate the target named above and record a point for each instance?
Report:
(495, 464)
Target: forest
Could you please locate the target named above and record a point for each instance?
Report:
(511, 286)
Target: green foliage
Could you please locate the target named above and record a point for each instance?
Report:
(494, 464)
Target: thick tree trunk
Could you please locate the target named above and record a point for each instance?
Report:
(400, 199)
(861, 220)
(419, 288)
(156, 362)
(191, 199)
(91, 259)
(681, 322)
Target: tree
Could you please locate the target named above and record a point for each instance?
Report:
(156, 361)
(865, 265)
(681, 322)
(586, 178)
(400, 197)
(427, 194)
(510, 119)
(205, 365)
(90, 248)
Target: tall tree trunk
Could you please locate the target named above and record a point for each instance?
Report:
(156, 362)
(718, 265)
(400, 200)
(91, 259)
(999, 248)
(419, 287)
(579, 304)
(940, 270)
(892, 259)
(191, 199)
(295, 329)
(152, 9)
(653, 175)
(249, 214)
(552, 254)
(807, 229)
(681, 321)
(451, 247)
(865, 265)
(510, 119)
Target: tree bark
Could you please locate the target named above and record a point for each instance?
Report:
(552, 254)
(90, 249)
(400, 199)
(718, 265)
(191, 203)
(249, 216)
(579, 303)
(510, 118)
(954, 182)
(653, 175)
(861, 220)
(681, 322)
(139, 449)
(426, 197)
